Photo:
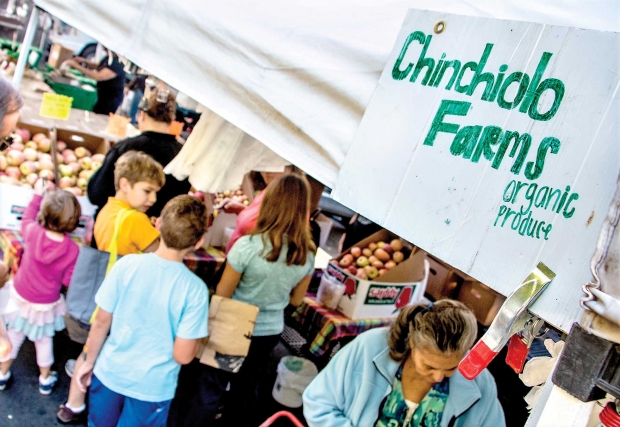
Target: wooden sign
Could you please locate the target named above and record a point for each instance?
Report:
(493, 145)
(55, 106)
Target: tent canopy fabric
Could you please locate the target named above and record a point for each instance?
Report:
(297, 76)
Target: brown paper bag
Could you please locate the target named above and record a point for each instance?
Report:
(231, 324)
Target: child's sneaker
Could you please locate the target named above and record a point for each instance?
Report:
(66, 415)
(46, 385)
(4, 382)
(69, 367)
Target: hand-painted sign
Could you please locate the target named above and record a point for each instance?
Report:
(493, 145)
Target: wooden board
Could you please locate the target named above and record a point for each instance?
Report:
(426, 161)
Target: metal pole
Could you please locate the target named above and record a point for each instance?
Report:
(25, 49)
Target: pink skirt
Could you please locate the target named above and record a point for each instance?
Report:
(34, 320)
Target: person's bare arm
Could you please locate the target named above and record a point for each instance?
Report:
(99, 75)
(228, 283)
(299, 291)
(152, 247)
(96, 337)
(184, 350)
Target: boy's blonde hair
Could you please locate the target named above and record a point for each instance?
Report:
(183, 222)
(60, 211)
(136, 166)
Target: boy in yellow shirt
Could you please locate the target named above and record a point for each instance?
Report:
(137, 178)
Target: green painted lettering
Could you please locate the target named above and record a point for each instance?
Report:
(569, 214)
(533, 170)
(424, 62)
(447, 107)
(524, 141)
(490, 136)
(465, 141)
(523, 80)
(397, 73)
(558, 89)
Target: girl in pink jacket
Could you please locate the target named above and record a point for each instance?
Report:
(36, 305)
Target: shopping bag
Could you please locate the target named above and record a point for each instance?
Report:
(90, 269)
(231, 324)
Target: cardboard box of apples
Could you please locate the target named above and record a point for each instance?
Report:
(381, 274)
(29, 158)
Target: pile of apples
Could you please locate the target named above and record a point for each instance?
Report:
(22, 163)
(374, 260)
(237, 195)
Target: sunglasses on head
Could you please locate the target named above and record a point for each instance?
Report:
(6, 142)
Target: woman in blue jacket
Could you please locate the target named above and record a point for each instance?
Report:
(406, 376)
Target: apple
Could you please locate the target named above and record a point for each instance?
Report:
(98, 158)
(200, 195)
(352, 269)
(389, 265)
(15, 157)
(31, 144)
(246, 203)
(82, 152)
(75, 191)
(82, 183)
(76, 167)
(13, 172)
(398, 256)
(356, 252)
(372, 246)
(31, 154)
(5, 179)
(3, 162)
(346, 260)
(65, 182)
(38, 136)
(27, 168)
(386, 247)
(396, 244)
(23, 133)
(61, 146)
(85, 162)
(361, 274)
(380, 243)
(69, 157)
(46, 174)
(95, 165)
(45, 156)
(366, 252)
(371, 271)
(45, 164)
(372, 259)
(65, 170)
(382, 271)
(17, 146)
(32, 178)
(382, 255)
(86, 174)
(377, 264)
(362, 261)
(45, 145)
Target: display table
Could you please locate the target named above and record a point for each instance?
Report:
(204, 263)
(324, 328)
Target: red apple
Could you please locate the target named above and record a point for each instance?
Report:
(46, 174)
(352, 269)
(382, 255)
(59, 158)
(17, 146)
(362, 261)
(45, 164)
(398, 256)
(382, 271)
(15, 157)
(75, 166)
(38, 136)
(24, 133)
(98, 158)
(377, 264)
(13, 172)
(361, 274)
(68, 157)
(75, 191)
(31, 179)
(390, 264)
(45, 156)
(31, 154)
(396, 244)
(366, 252)
(65, 182)
(45, 145)
(27, 168)
(372, 246)
(346, 260)
(356, 252)
(61, 146)
(386, 247)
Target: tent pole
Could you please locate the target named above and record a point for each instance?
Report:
(25, 49)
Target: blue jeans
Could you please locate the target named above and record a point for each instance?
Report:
(107, 408)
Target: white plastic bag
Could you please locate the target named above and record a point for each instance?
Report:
(330, 291)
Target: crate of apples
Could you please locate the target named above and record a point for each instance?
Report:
(374, 260)
(28, 159)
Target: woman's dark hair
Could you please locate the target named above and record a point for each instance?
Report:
(160, 111)
(10, 99)
(447, 327)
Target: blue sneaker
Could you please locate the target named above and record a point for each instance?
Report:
(47, 388)
(5, 383)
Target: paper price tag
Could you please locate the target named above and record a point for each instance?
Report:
(56, 106)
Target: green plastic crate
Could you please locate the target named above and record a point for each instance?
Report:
(33, 58)
(82, 99)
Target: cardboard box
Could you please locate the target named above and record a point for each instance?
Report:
(482, 300)
(443, 280)
(383, 297)
(58, 55)
(73, 139)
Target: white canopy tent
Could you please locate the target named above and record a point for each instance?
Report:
(297, 76)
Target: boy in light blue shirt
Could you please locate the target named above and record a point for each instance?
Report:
(156, 311)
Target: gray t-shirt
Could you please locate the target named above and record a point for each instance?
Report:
(265, 284)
